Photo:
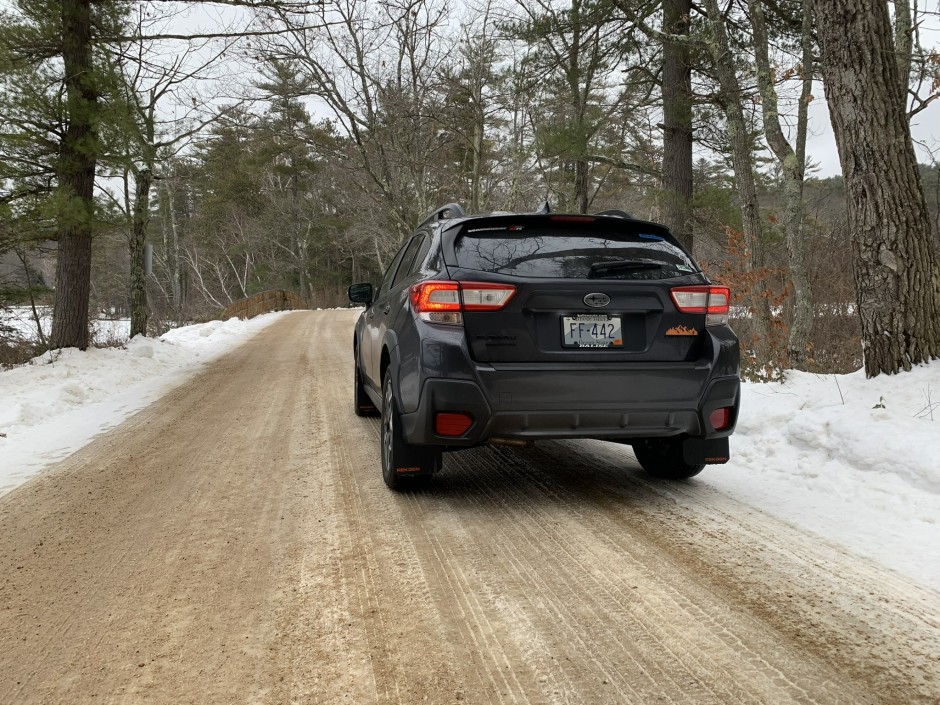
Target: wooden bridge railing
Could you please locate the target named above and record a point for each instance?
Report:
(264, 302)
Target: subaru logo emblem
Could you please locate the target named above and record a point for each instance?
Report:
(597, 300)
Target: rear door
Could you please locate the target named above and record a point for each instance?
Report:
(587, 290)
(377, 318)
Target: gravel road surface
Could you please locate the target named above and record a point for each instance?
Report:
(234, 543)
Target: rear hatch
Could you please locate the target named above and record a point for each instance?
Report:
(588, 289)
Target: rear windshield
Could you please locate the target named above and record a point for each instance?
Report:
(545, 253)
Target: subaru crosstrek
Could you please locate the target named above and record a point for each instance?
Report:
(514, 328)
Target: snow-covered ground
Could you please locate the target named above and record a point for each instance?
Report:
(856, 461)
(103, 330)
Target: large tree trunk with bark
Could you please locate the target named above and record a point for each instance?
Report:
(677, 122)
(141, 219)
(897, 263)
(76, 176)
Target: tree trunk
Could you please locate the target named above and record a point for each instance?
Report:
(793, 163)
(141, 218)
(171, 244)
(677, 123)
(479, 126)
(897, 264)
(582, 185)
(903, 45)
(76, 175)
(742, 159)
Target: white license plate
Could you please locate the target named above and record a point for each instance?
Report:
(591, 331)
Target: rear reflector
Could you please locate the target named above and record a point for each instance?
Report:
(446, 424)
(713, 301)
(720, 418)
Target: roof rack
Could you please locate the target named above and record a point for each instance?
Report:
(616, 213)
(451, 210)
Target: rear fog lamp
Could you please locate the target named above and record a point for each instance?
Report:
(448, 424)
(720, 418)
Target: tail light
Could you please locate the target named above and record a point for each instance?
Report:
(445, 301)
(713, 301)
(437, 302)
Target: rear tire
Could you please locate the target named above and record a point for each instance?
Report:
(362, 404)
(662, 458)
(404, 466)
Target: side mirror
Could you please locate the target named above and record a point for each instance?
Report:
(360, 294)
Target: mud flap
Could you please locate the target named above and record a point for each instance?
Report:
(699, 451)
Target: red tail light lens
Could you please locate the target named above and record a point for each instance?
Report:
(445, 301)
(720, 418)
(713, 301)
(446, 424)
(437, 302)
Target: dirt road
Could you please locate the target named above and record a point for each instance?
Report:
(234, 543)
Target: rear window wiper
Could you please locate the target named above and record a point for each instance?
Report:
(621, 265)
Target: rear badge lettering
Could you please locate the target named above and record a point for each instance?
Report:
(682, 330)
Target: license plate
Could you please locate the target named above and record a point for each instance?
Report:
(591, 331)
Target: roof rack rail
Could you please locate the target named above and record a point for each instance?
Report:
(617, 213)
(451, 210)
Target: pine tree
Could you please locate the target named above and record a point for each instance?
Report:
(896, 258)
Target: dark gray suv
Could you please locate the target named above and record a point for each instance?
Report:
(517, 327)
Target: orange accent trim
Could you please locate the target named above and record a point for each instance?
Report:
(681, 330)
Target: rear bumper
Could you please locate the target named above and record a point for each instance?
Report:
(644, 401)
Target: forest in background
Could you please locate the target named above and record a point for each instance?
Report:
(293, 146)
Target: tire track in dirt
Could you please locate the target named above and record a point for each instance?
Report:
(237, 540)
(137, 569)
(576, 585)
(844, 605)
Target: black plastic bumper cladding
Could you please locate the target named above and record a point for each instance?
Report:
(554, 414)
(449, 395)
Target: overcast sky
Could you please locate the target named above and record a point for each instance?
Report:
(821, 144)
